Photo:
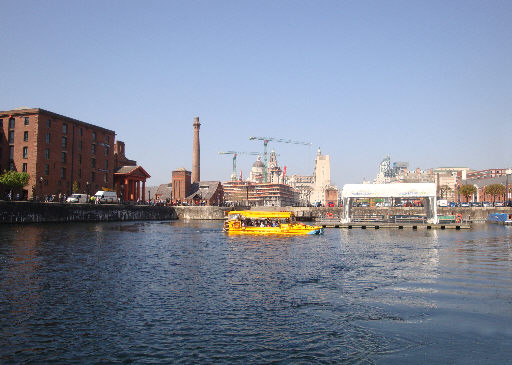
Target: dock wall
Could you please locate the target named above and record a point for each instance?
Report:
(313, 213)
(198, 212)
(31, 212)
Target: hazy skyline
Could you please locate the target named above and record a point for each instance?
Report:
(427, 82)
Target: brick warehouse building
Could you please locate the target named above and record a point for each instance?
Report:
(56, 151)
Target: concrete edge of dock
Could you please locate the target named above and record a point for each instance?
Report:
(411, 226)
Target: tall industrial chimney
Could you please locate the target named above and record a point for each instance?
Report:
(196, 164)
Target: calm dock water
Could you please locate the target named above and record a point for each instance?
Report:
(185, 292)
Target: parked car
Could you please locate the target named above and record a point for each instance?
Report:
(464, 205)
(77, 198)
(452, 204)
(499, 204)
(477, 204)
(106, 197)
(330, 204)
(486, 204)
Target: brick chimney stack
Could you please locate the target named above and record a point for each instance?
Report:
(196, 161)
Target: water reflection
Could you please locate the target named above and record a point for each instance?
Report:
(160, 291)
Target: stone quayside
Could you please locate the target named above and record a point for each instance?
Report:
(32, 212)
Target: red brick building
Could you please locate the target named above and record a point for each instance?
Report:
(331, 196)
(198, 193)
(129, 178)
(481, 184)
(181, 185)
(56, 151)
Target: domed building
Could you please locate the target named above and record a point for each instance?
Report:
(257, 171)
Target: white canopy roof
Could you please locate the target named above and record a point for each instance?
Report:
(389, 190)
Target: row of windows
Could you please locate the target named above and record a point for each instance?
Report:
(80, 131)
(63, 173)
(11, 136)
(63, 157)
(47, 156)
(64, 142)
(12, 122)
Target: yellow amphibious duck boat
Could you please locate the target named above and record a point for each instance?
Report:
(252, 222)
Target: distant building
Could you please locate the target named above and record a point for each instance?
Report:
(462, 171)
(316, 188)
(331, 196)
(399, 173)
(274, 172)
(385, 173)
(259, 194)
(416, 176)
(129, 179)
(120, 158)
(130, 183)
(198, 193)
(486, 174)
(257, 174)
(163, 193)
(61, 154)
(206, 193)
(322, 178)
(304, 185)
(480, 185)
(181, 185)
(447, 180)
(400, 167)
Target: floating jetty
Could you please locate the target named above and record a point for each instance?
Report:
(376, 225)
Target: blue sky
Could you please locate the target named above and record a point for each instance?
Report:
(429, 82)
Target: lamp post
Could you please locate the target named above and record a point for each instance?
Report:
(41, 179)
(88, 191)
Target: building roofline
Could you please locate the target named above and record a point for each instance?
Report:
(138, 167)
(41, 111)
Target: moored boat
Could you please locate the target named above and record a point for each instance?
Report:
(279, 223)
(500, 218)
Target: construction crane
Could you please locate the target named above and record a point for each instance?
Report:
(235, 154)
(266, 140)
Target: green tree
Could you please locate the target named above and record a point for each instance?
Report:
(14, 180)
(494, 189)
(467, 190)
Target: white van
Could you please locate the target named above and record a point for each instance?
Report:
(106, 197)
(77, 198)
